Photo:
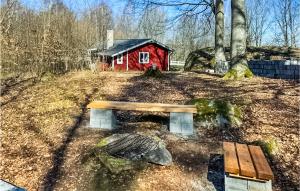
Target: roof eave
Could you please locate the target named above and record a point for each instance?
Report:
(133, 47)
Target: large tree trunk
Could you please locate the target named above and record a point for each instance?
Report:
(239, 67)
(219, 32)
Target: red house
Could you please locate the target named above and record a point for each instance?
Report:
(132, 54)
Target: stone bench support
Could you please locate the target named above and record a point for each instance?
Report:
(181, 116)
(102, 118)
(238, 184)
(181, 123)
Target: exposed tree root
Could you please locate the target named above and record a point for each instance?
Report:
(238, 72)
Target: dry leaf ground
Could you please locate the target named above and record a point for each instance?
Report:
(44, 133)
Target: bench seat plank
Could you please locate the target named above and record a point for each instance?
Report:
(134, 106)
(245, 161)
(263, 170)
(230, 158)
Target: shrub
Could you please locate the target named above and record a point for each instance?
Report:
(269, 146)
(155, 73)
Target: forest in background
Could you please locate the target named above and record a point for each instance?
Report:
(55, 38)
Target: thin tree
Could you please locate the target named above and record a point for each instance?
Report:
(287, 20)
(153, 23)
(257, 21)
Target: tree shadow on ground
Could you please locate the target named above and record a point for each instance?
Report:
(143, 89)
(23, 85)
(101, 178)
(54, 174)
(215, 172)
(7, 85)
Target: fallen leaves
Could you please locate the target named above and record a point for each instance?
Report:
(36, 121)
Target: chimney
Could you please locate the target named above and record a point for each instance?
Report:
(110, 38)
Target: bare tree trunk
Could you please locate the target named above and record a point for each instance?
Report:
(238, 32)
(219, 32)
(239, 67)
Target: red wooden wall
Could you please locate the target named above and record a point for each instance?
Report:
(158, 55)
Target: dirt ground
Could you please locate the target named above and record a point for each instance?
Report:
(45, 136)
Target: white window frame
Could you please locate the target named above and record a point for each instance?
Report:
(119, 59)
(144, 62)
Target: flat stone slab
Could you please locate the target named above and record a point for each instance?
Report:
(136, 147)
(6, 186)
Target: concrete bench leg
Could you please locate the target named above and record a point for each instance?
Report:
(237, 184)
(181, 123)
(102, 118)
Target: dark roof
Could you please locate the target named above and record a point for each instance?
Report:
(121, 46)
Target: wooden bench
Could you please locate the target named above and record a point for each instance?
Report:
(181, 116)
(246, 168)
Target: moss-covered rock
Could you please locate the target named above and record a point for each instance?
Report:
(217, 112)
(102, 143)
(135, 147)
(238, 72)
(115, 165)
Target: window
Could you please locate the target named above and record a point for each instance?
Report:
(144, 57)
(120, 59)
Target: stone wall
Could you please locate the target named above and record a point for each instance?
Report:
(283, 69)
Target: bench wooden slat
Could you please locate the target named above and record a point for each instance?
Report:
(134, 106)
(263, 170)
(245, 161)
(230, 158)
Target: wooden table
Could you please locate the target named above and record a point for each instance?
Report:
(246, 168)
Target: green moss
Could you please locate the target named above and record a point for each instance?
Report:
(231, 74)
(115, 165)
(235, 74)
(205, 109)
(269, 146)
(212, 62)
(102, 143)
(237, 112)
(248, 73)
(208, 110)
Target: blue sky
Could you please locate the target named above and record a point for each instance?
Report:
(81, 6)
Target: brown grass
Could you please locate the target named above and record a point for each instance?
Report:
(44, 134)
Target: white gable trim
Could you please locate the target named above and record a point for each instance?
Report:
(127, 61)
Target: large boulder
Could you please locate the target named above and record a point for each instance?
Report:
(136, 147)
(113, 164)
(200, 59)
(216, 112)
